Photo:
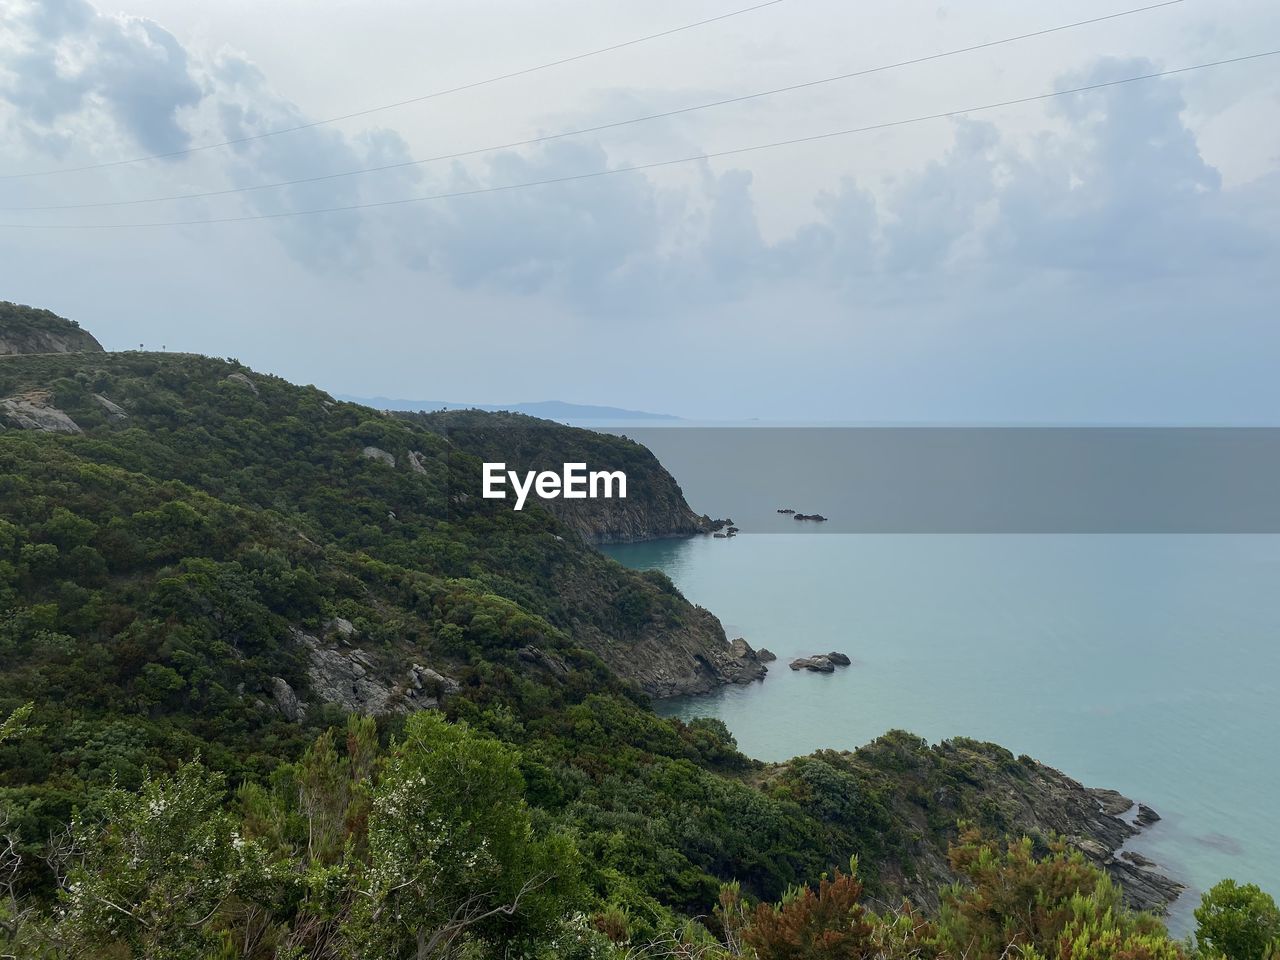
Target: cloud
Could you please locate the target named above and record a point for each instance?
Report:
(67, 60)
(1125, 194)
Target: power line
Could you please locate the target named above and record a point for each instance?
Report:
(653, 165)
(399, 103)
(599, 127)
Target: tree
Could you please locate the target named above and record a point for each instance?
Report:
(452, 852)
(829, 924)
(1238, 922)
(150, 874)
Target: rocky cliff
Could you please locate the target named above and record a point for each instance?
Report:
(28, 330)
(182, 418)
(900, 786)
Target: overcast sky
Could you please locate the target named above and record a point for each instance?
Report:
(1106, 256)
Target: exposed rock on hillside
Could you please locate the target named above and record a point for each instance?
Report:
(926, 789)
(115, 413)
(241, 380)
(25, 330)
(34, 411)
(357, 682)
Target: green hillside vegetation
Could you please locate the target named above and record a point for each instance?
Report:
(156, 572)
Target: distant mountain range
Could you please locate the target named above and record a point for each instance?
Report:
(547, 409)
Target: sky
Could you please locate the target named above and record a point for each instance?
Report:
(1105, 256)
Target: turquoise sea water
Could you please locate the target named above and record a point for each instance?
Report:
(1149, 664)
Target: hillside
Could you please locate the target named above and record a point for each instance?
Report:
(200, 560)
(25, 330)
(655, 507)
(558, 410)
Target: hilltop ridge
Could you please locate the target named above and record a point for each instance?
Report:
(27, 330)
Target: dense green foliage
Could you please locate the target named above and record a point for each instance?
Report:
(429, 848)
(154, 571)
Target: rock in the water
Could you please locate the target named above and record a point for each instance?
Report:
(765, 655)
(810, 516)
(115, 412)
(244, 381)
(1146, 816)
(33, 411)
(287, 702)
(819, 664)
(1113, 802)
(743, 663)
(839, 659)
(375, 453)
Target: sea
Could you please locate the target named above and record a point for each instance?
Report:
(1146, 662)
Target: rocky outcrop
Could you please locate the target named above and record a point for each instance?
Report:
(115, 412)
(926, 790)
(287, 702)
(26, 330)
(375, 453)
(766, 656)
(241, 380)
(1146, 816)
(34, 411)
(358, 682)
(417, 462)
(821, 662)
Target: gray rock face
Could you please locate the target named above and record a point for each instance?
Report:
(33, 411)
(27, 330)
(356, 682)
(416, 461)
(342, 627)
(1146, 816)
(376, 453)
(818, 664)
(539, 658)
(115, 412)
(287, 702)
(766, 656)
(244, 381)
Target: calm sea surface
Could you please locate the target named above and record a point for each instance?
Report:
(1146, 663)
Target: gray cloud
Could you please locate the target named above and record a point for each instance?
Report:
(69, 58)
(995, 264)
